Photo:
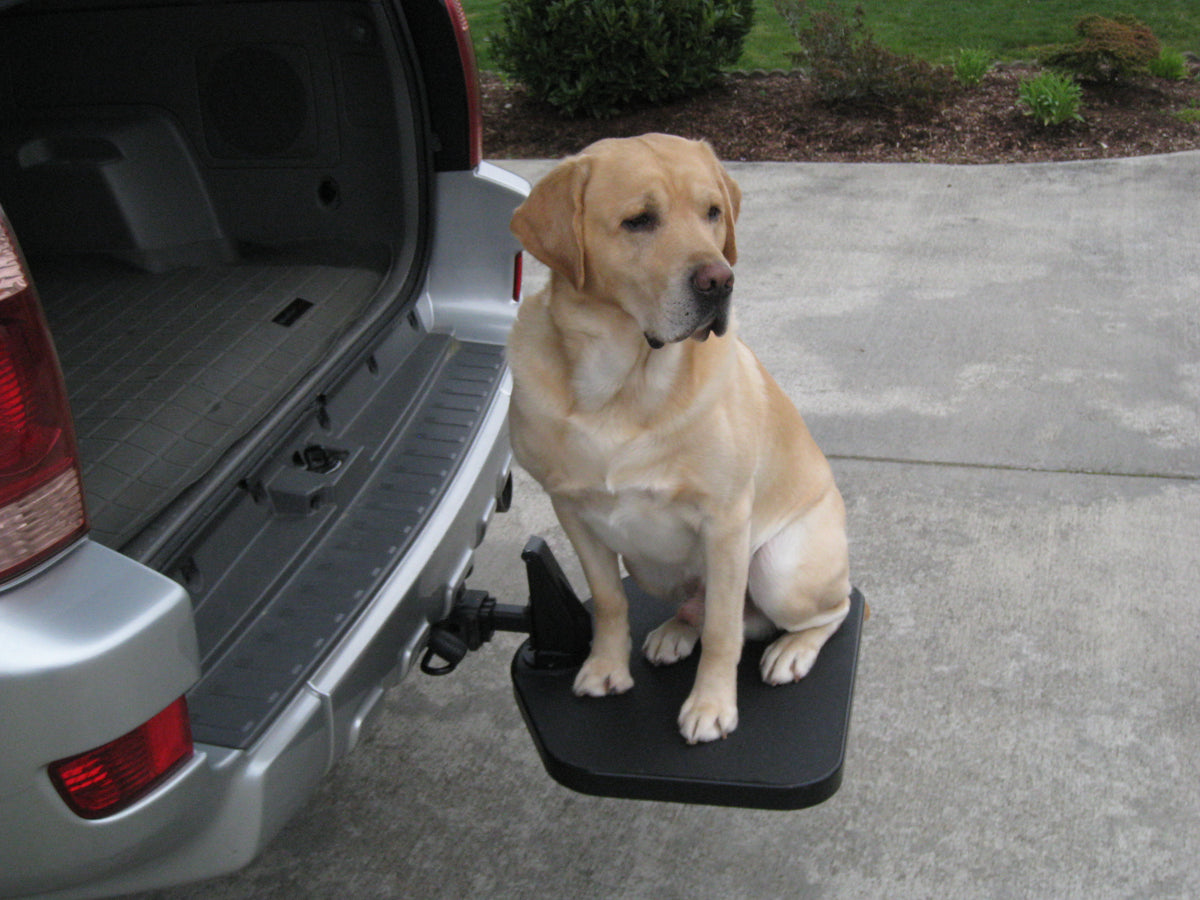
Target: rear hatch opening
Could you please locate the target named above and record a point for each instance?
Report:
(210, 209)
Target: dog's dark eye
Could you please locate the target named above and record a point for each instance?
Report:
(714, 213)
(646, 221)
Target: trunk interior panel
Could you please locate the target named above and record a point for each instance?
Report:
(166, 371)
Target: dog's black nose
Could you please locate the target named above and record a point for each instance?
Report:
(713, 282)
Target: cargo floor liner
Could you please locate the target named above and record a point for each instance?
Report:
(165, 372)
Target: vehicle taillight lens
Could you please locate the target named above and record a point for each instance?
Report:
(518, 276)
(104, 781)
(41, 492)
(466, 53)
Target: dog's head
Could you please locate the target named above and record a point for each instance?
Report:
(645, 223)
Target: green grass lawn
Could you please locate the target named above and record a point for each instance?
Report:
(933, 29)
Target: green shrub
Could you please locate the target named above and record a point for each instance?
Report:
(599, 57)
(971, 65)
(850, 68)
(1190, 114)
(1108, 49)
(1052, 98)
(1169, 64)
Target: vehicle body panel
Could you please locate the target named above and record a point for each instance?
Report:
(97, 640)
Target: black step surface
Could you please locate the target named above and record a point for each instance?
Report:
(786, 753)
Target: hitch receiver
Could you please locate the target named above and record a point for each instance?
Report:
(558, 625)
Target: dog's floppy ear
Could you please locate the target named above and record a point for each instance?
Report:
(549, 224)
(733, 198)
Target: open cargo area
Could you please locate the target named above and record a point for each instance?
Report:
(211, 203)
(166, 371)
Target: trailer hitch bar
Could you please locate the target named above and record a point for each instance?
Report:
(558, 624)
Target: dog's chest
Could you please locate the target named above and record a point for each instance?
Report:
(621, 483)
(622, 477)
(643, 524)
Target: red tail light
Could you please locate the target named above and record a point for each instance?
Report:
(41, 494)
(518, 275)
(466, 53)
(108, 779)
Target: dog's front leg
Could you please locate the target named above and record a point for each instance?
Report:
(710, 711)
(606, 670)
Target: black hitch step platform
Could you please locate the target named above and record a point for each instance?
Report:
(787, 751)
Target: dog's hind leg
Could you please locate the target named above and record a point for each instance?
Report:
(673, 640)
(800, 580)
(792, 656)
(676, 638)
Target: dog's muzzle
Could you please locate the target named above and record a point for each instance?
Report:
(710, 287)
(712, 284)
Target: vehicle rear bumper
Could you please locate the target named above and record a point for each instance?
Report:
(91, 646)
(217, 813)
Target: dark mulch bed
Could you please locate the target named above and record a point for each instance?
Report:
(775, 116)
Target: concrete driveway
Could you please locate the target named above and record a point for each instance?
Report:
(1003, 364)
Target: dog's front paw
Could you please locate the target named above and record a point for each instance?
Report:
(706, 718)
(790, 658)
(670, 642)
(601, 676)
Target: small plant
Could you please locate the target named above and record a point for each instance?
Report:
(1108, 49)
(1052, 98)
(971, 65)
(1170, 64)
(599, 57)
(1190, 115)
(850, 68)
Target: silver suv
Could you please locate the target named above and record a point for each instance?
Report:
(278, 279)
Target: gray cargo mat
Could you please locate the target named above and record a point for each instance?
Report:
(166, 372)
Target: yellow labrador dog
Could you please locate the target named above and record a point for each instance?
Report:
(658, 435)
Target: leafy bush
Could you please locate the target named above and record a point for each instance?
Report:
(850, 68)
(971, 65)
(1169, 64)
(598, 57)
(1052, 98)
(1108, 49)
(1190, 115)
